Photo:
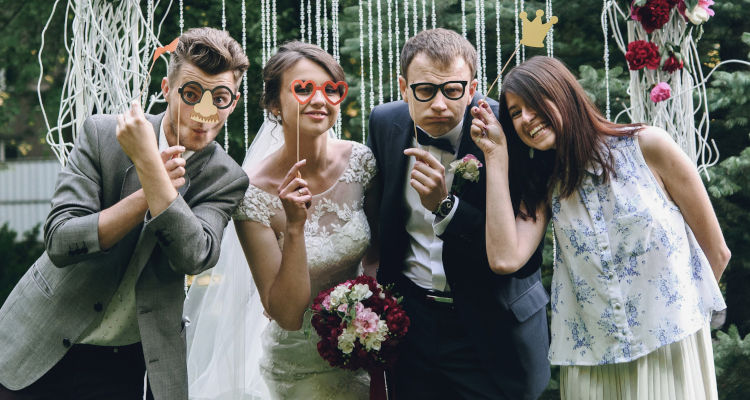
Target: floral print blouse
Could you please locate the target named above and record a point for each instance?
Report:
(629, 275)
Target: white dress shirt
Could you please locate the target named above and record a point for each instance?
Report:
(424, 256)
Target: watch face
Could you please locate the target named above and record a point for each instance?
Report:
(446, 206)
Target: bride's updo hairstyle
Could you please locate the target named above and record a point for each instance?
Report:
(288, 55)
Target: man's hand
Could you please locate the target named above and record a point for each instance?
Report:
(175, 165)
(136, 134)
(427, 178)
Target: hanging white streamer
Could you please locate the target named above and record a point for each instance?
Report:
(108, 62)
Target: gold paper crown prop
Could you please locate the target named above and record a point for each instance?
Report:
(533, 32)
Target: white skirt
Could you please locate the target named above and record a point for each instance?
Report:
(682, 370)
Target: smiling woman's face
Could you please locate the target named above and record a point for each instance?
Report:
(531, 126)
(316, 116)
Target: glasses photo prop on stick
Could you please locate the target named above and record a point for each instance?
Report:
(532, 35)
(206, 102)
(304, 91)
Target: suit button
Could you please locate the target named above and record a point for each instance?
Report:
(66, 343)
(98, 307)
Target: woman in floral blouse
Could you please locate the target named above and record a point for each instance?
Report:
(639, 248)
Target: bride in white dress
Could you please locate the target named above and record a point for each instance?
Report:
(300, 234)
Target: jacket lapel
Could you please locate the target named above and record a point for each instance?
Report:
(467, 146)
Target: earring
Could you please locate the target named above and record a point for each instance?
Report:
(531, 152)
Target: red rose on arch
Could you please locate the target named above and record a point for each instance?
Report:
(653, 15)
(672, 64)
(642, 54)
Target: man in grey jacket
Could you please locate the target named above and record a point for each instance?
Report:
(135, 209)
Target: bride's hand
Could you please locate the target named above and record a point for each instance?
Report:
(486, 131)
(295, 196)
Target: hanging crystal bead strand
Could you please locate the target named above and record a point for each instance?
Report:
(389, 4)
(224, 28)
(244, 77)
(380, 53)
(362, 88)
(605, 30)
(498, 45)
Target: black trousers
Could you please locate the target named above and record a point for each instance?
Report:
(90, 372)
(438, 360)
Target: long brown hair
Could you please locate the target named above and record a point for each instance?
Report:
(578, 130)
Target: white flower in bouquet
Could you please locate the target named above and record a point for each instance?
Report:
(339, 296)
(360, 292)
(346, 339)
(374, 339)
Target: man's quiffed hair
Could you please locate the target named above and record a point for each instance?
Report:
(441, 46)
(211, 50)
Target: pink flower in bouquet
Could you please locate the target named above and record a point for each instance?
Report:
(661, 92)
(652, 15)
(672, 64)
(699, 14)
(326, 302)
(642, 54)
(366, 320)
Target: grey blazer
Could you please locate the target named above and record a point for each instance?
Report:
(64, 291)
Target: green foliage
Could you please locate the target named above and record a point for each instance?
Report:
(729, 188)
(732, 361)
(594, 82)
(18, 256)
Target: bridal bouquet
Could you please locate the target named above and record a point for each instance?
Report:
(359, 323)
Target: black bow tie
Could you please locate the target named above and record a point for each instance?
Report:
(441, 143)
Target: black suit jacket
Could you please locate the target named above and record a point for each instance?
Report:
(506, 314)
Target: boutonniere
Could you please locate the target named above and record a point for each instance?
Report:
(465, 169)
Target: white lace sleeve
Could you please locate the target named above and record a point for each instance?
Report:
(257, 206)
(362, 167)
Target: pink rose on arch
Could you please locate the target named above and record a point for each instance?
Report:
(661, 92)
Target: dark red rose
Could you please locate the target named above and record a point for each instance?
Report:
(653, 15)
(642, 54)
(672, 64)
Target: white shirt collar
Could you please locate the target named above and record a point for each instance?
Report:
(163, 144)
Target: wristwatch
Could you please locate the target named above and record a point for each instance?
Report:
(445, 206)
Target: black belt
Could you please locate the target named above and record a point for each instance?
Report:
(408, 287)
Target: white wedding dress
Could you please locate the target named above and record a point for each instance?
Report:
(336, 237)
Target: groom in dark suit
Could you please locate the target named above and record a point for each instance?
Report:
(474, 334)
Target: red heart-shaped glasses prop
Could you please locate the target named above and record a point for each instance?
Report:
(307, 91)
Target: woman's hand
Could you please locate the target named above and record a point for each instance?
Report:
(295, 196)
(487, 132)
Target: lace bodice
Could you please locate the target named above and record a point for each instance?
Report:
(336, 231)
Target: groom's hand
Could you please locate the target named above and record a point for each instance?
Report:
(427, 178)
